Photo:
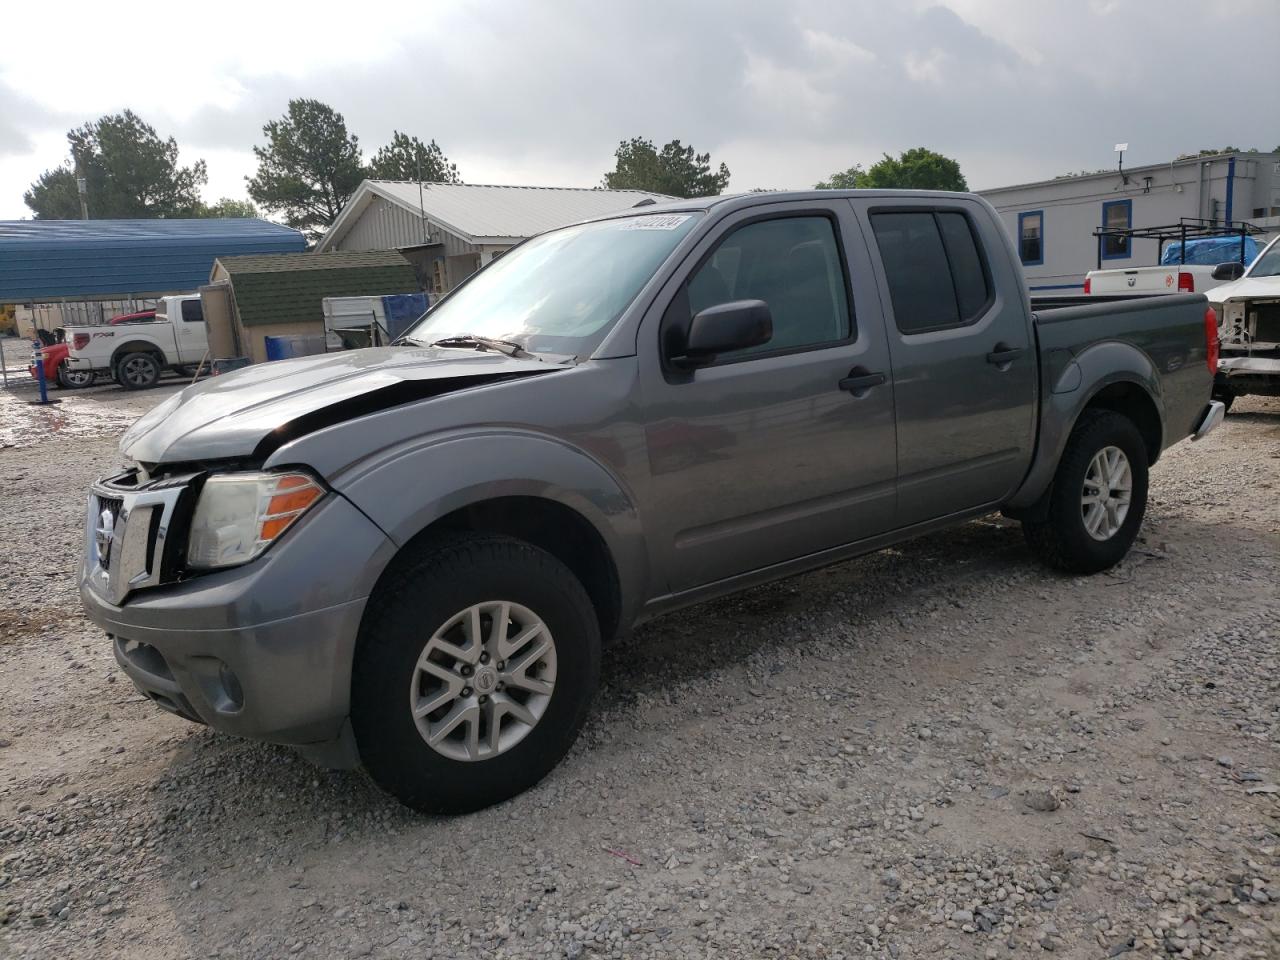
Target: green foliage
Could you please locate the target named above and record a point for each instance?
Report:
(408, 158)
(844, 180)
(916, 169)
(227, 207)
(309, 168)
(677, 170)
(129, 172)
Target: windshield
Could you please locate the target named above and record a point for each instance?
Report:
(1267, 265)
(560, 292)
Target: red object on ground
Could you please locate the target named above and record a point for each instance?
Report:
(52, 357)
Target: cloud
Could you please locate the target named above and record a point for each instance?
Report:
(783, 93)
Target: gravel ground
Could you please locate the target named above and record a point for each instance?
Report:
(939, 750)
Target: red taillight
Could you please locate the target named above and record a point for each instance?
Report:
(80, 341)
(1088, 285)
(1186, 282)
(1211, 339)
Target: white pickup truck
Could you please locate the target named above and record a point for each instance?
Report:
(135, 354)
(1248, 309)
(1179, 271)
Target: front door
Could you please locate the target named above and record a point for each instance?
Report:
(785, 449)
(964, 364)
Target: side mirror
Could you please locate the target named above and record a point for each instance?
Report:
(1232, 270)
(726, 327)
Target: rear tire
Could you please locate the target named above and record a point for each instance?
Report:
(417, 653)
(1098, 497)
(69, 379)
(137, 371)
(1226, 396)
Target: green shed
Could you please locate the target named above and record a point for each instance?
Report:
(250, 298)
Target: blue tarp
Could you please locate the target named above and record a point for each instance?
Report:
(401, 309)
(45, 260)
(1210, 251)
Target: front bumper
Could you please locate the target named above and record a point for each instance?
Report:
(262, 651)
(1242, 375)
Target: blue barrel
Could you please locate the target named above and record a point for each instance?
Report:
(279, 348)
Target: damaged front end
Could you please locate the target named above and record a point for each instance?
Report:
(1249, 336)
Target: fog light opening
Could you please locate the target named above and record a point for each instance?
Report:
(231, 687)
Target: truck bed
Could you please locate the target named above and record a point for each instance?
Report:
(1167, 331)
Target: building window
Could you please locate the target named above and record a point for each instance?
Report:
(1116, 215)
(1031, 237)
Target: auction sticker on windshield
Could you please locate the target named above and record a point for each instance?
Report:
(667, 222)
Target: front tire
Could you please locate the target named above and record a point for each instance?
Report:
(1098, 497)
(137, 371)
(476, 663)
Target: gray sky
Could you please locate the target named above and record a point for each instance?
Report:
(541, 92)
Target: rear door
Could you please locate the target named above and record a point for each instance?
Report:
(964, 363)
(782, 450)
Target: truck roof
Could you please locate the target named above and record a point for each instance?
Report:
(733, 200)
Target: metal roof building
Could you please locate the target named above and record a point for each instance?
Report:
(449, 230)
(50, 260)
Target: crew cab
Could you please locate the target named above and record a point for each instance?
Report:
(411, 557)
(1248, 311)
(53, 356)
(135, 354)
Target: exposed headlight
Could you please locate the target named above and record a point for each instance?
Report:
(239, 515)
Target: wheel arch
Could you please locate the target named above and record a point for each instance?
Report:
(547, 524)
(136, 346)
(535, 488)
(1129, 389)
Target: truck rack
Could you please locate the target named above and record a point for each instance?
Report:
(1188, 228)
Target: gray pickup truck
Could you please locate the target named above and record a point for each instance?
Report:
(410, 557)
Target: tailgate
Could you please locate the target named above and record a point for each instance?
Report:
(1137, 280)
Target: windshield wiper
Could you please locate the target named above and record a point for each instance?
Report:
(509, 347)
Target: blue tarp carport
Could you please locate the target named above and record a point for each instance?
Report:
(48, 260)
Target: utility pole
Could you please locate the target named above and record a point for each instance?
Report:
(82, 187)
(422, 212)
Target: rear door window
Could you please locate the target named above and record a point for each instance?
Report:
(192, 311)
(934, 267)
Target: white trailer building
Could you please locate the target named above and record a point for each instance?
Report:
(1053, 221)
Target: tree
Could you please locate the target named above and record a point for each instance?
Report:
(677, 170)
(408, 158)
(844, 180)
(129, 171)
(231, 208)
(916, 169)
(309, 167)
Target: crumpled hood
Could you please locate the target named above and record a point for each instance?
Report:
(233, 414)
(1245, 288)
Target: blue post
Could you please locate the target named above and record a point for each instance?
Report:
(44, 400)
(44, 388)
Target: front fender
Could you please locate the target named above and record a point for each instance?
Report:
(1078, 382)
(407, 488)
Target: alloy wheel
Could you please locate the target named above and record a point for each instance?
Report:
(483, 680)
(1108, 488)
